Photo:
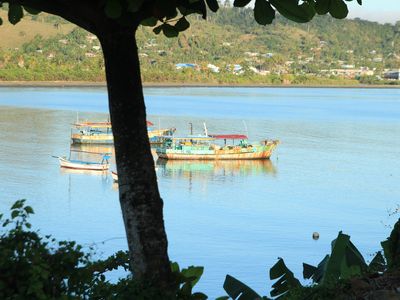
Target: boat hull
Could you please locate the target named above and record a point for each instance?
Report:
(65, 163)
(104, 139)
(227, 156)
(114, 176)
(252, 153)
(107, 139)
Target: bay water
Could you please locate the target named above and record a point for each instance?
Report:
(337, 168)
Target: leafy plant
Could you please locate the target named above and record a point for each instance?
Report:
(344, 262)
(36, 267)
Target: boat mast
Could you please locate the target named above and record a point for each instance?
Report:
(245, 128)
(205, 129)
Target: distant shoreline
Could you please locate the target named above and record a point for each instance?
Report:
(74, 84)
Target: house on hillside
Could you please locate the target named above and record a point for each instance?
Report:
(350, 73)
(377, 59)
(213, 68)
(268, 55)
(393, 75)
(259, 71)
(237, 69)
(252, 54)
(90, 54)
(186, 66)
(91, 38)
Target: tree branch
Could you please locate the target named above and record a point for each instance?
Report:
(84, 13)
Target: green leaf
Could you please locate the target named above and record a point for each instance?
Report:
(293, 11)
(28, 225)
(338, 9)
(169, 30)
(134, 5)
(238, 290)
(286, 280)
(354, 257)
(321, 269)
(339, 245)
(29, 210)
(213, 5)
(322, 6)
(149, 22)
(198, 296)
(174, 267)
(31, 11)
(1, 21)
(18, 204)
(308, 271)
(359, 2)
(193, 274)
(14, 214)
(182, 24)
(15, 13)
(263, 12)
(223, 298)
(113, 9)
(157, 29)
(241, 3)
(391, 247)
(377, 264)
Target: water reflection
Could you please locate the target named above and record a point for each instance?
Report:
(211, 169)
(68, 171)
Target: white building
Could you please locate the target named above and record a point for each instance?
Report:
(393, 74)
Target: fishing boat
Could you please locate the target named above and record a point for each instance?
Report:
(208, 147)
(79, 164)
(92, 133)
(101, 133)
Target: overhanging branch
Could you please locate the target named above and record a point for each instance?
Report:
(85, 14)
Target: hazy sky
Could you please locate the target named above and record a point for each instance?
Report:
(383, 11)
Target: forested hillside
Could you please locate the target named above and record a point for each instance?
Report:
(227, 48)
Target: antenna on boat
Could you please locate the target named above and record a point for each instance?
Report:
(159, 123)
(77, 117)
(191, 128)
(245, 128)
(205, 129)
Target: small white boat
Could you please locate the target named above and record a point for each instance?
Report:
(76, 164)
(83, 165)
(114, 176)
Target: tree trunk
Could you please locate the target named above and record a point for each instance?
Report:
(142, 207)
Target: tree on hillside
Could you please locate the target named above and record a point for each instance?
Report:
(115, 22)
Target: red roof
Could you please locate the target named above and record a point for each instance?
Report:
(229, 136)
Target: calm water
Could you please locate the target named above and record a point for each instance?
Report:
(337, 168)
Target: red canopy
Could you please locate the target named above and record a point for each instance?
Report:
(229, 136)
(149, 123)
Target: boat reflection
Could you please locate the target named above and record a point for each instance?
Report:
(223, 168)
(66, 171)
(94, 148)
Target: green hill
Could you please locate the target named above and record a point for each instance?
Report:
(324, 51)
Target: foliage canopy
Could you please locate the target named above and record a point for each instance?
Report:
(171, 15)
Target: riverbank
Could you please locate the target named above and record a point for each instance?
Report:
(174, 85)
